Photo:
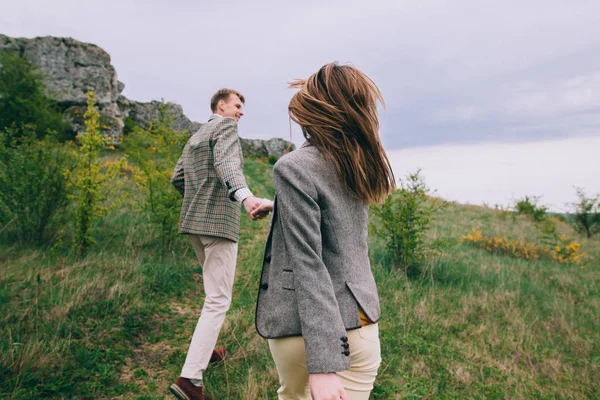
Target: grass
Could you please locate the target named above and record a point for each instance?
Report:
(117, 323)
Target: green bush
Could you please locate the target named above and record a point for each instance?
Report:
(23, 102)
(530, 207)
(32, 185)
(403, 220)
(130, 125)
(587, 213)
(92, 181)
(155, 151)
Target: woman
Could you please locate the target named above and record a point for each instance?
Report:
(317, 302)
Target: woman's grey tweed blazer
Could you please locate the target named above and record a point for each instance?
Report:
(316, 267)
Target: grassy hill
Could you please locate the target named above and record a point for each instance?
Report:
(117, 324)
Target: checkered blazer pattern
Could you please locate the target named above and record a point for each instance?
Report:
(207, 174)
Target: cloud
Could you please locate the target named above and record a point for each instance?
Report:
(502, 173)
(460, 113)
(451, 72)
(546, 99)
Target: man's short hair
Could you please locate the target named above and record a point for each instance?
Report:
(223, 94)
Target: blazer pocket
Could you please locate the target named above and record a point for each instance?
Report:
(287, 279)
(366, 297)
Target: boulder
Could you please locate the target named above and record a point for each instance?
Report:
(71, 68)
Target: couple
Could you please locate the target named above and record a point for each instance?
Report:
(317, 302)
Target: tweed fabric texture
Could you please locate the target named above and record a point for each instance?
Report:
(207, 174)
(316, 271)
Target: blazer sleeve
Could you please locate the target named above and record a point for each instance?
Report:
(178, 179)
(228, 155)
(322, 325)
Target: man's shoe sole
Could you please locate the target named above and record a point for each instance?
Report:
(177, 392)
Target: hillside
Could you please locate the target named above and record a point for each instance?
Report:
(117, 323)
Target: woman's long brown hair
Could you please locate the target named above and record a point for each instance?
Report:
(337, 110)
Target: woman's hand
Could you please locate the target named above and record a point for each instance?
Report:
(326, 387)
(262, 210)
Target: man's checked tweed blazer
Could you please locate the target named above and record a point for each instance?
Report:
(207, 174)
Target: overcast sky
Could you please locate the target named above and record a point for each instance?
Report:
(460, 72)
(451, 71)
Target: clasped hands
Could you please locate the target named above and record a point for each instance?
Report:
(257, 208)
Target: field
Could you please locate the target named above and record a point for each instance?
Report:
(473, 325)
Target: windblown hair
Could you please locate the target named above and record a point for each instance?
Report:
(337, 110)
(223, 94)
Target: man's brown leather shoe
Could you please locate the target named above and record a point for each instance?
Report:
(218, 355)
(183, 389)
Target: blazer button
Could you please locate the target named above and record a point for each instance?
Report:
(346, 346)
(264, 286)
(268, 258)
(344, 339)
(346, 353)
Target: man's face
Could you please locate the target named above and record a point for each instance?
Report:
(231, 108)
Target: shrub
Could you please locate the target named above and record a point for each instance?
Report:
(529, 206)
(23, 102)
(567, 252)
(404, 219)
(587, 213)
(130, 125)
(32, 185)
(155, 150)
(92, 181)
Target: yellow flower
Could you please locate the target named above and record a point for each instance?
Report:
(153, 149)
(111, 147)
(575, 246)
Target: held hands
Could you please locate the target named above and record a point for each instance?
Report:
(257, 208)
(326, 387)
(263, 210)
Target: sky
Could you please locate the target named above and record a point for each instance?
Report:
(499, 174)
(486, 76)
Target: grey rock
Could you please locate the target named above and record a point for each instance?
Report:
(277, 147)
(71, 68)
(254, 148)
(144, 113)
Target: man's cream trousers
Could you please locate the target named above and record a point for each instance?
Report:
(217, 257)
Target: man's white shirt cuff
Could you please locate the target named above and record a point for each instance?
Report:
(241, 194)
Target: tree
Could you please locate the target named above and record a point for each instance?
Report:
(404, 219)
(32, 185)
(587, 213)
(156, 149)
(91, 180)
(23, 101)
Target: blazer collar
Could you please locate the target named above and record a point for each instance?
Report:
(215, 116)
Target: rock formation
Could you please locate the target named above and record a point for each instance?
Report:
(71, 68)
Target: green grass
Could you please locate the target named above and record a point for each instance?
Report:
(117, 324)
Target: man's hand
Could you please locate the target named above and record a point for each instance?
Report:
(251, 203)
(326, 387)
(263, 210)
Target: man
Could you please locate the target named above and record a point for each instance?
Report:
(210, 178)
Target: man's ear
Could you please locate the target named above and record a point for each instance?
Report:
(220, 104)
